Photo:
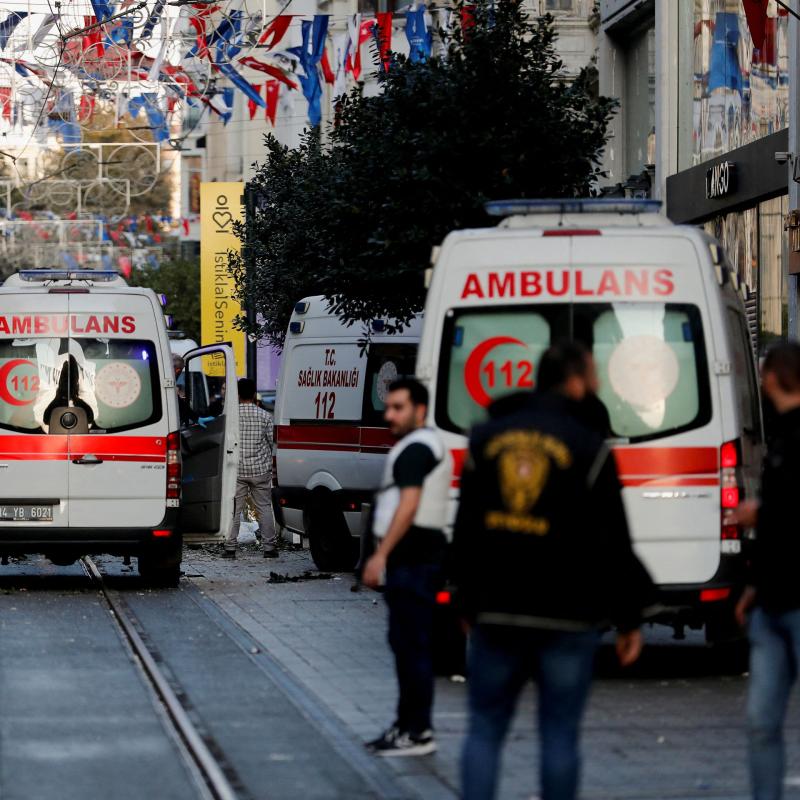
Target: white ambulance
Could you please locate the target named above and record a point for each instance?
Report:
(659, 306)
(331, 439)
(92, 455)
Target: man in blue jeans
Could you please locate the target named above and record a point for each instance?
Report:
(410, 515)
(542, 562)
(772, 601)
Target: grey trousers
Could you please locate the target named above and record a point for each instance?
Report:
(259, 489)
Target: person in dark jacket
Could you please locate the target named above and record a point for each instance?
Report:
(542, 563)
(770, 605)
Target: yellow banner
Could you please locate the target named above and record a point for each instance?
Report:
(220, 207)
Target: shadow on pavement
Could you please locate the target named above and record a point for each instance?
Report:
(670, 660)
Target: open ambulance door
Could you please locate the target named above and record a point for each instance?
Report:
(209, 444)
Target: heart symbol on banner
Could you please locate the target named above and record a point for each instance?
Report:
(222, 219)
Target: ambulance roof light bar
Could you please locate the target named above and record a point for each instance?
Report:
(583, 205)
(69, 274)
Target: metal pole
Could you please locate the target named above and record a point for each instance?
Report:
(252, 343)
(794, 144)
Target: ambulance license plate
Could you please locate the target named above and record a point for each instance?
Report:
(26, 513)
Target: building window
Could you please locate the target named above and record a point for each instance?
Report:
(756, 247)
(379, 6)
(559, 5)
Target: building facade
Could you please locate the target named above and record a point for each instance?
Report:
(231, 150)
(719, 110)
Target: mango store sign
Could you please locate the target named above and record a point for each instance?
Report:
(220, 207)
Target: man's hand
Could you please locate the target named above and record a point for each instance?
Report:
(629, 647)
(745, 603)
(746, 516)
(373, 571)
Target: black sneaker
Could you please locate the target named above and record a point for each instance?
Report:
(399, 743)
(385, 739)
(228, 554)
(273, 553)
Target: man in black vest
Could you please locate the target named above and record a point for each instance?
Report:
(543, 561)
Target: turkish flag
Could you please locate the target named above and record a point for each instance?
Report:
(251, 104)
(272, 90)
(756, 11)
(384, 22)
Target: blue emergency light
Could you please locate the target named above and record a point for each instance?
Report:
(68, 274)
(579, 205)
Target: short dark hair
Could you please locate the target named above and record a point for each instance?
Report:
(246, 388)
(559, 363)
(783, 361)
(416, 391)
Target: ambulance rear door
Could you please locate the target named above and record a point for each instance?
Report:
(33, 463)
(209, 445)
(117, 468)
(640, 302)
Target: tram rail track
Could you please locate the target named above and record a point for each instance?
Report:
(194, 744)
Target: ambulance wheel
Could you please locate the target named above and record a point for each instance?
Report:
(333, 549)
(161, 570)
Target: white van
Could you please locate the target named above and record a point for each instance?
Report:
(331, 439)
(659, 306)
(92, 457)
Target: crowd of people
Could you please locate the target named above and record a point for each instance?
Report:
(542, 564)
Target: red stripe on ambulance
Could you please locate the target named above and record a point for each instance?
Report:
(648, 466)
(62, 448)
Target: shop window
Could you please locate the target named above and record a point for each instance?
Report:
(639, 102)
(755, 244)
(739, 93)
(379, 6)
(772, 296)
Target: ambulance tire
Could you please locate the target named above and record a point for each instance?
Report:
(333, 549)
(162, 570)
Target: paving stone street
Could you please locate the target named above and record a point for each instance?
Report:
(673, 728)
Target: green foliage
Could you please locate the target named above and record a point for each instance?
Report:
(355, 219)
(179, 280)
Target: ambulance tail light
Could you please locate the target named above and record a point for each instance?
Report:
(731, 494)
(174, 471)
(714, 595)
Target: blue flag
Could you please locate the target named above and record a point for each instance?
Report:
(724, 71)
(310, 54)
(8, 26)
(152, 20)
(237, 80)
(155, 116)
(420, 39)
(102, 10)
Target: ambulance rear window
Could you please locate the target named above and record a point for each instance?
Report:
(650, 359)
(114, 380)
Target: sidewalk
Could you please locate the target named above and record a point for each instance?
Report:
(676, 733)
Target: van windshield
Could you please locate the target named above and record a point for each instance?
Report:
(114, 380)
(650, 359)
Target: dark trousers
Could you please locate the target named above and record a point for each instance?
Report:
(411, 597)
(501, 662)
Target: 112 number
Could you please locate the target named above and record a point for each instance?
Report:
(510, 374)
(324, 403)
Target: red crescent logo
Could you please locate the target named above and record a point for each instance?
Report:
(5, 371)
(472, 369)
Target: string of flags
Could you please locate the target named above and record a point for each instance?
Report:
(150, 68)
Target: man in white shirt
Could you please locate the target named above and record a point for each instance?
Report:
(410, 516)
